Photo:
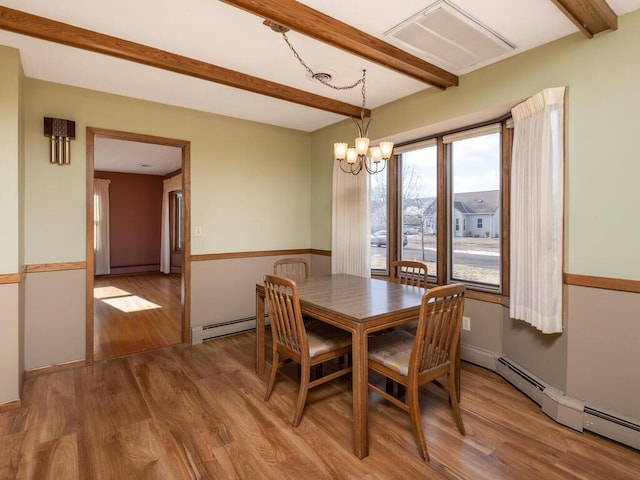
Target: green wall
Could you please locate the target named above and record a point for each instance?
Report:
(11, 224)
(235, 166)
(10, 77)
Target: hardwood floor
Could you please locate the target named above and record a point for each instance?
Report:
(198, 412)
(151, 316)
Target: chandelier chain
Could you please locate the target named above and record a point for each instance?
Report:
(311, 73)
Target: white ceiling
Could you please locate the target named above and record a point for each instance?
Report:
(114, 155)
(217, 33)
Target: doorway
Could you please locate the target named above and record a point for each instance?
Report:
(173, 285)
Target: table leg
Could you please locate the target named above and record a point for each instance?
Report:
(360, 393)
(259, 333)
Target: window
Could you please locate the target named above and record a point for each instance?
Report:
(419, 204)
(379, 221)
(175, 220)
(442, 202)
(474, 162)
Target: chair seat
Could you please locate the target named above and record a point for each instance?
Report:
(393, 350)
(324, 338)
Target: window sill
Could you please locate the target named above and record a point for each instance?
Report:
(472, 294)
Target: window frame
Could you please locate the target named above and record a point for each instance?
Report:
(444, 227)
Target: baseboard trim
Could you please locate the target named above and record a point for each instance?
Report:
(12, 405)
(132, 269)
(35, 372)
(478, 356)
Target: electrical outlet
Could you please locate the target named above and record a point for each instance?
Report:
(466, 323)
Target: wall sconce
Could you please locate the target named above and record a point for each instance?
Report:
(60, 132)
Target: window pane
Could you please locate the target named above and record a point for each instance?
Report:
(475, 176)
(379, 222)
(419, 206)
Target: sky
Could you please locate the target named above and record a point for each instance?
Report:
(475, 166)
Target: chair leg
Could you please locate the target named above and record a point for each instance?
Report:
(275, 361)
(302, 394)
(414, 411)
(453, 399)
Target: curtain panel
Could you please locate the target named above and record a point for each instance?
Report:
(101, 239)
(537, 211)
(350, 225)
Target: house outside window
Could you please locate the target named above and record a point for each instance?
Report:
(447, 208)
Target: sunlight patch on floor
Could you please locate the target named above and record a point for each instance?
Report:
(109, 292)
(131, 303)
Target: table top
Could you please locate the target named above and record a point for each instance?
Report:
(358, 298)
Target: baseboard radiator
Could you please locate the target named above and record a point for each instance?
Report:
(568, 410)
(202, 333)
(619, 429)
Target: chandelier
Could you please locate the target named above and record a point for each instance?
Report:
(361, 156)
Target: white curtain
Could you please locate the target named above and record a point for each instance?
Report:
(101, 246)
(350, 225)
(537, 193)
(169, 185)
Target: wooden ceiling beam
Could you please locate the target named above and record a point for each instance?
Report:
(312, 23)
(590, 16)
(65, 34)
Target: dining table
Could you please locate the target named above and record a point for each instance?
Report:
(356, 304)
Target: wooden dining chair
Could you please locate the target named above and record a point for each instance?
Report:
(295, 268)
(308, 344)
(413, 360)
(409, 272)
(412, 273)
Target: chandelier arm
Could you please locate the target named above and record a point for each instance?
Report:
(377, 169)
(365, 125)
(352, 171)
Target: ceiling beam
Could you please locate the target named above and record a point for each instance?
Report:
(590, 16)
(58, 32)
(312, 23)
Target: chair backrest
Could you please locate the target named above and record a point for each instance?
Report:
(283, 305)
(294, 268)
(409, 272)
(438, 327)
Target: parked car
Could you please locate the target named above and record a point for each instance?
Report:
(379, 239)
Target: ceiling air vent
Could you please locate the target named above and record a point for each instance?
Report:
(447, 36)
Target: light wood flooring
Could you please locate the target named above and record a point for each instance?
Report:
(152, 318)
(198, 412)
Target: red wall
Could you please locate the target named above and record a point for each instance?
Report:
(135, 211)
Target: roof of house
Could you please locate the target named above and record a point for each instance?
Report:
(477, 202)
